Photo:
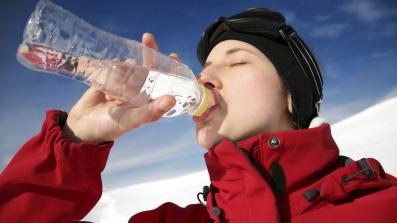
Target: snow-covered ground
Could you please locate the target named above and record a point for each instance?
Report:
(370, 133)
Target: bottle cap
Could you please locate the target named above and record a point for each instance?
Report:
(204, 102)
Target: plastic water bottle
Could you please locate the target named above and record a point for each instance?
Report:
(57, 41)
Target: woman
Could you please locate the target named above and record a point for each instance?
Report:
(269, 158)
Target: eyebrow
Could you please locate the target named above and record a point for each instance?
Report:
(230, 52)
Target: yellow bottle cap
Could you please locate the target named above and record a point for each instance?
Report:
(204, 103)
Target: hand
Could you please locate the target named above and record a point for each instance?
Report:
(97, 117)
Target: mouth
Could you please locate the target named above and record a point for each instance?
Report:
(214, 105)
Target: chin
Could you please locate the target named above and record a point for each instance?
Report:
(206, 139)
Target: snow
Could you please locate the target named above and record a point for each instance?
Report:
(118, 205)
(370, 133)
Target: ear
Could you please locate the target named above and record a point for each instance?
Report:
(289, 101)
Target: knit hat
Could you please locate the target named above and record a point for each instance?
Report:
(267, 31)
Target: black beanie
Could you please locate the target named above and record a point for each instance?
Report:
(303, 87)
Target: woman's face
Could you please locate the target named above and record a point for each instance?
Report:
(250, 93)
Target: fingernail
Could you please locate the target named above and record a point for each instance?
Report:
(165, 105)
(147, 34)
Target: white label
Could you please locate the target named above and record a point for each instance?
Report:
(183, 89)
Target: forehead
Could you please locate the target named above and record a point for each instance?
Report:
(229, 47)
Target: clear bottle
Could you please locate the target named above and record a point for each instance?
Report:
(57, 41)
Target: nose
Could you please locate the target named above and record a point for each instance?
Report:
(208, 77)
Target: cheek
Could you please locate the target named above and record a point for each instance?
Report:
(252, 101)
(254, 92)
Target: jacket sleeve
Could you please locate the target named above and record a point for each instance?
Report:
(51, 179)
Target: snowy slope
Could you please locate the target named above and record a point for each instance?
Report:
(371, 133)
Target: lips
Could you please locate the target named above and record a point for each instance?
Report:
(213, 105)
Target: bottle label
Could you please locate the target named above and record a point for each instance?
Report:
(183, 89)
(150, 83)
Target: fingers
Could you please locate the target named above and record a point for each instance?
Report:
(149, 55)
(175, 56)
(149, 41)
(161, 105)
(149, 51)
(150, 112)
(130, 61)
(109, 98)
(23, 49)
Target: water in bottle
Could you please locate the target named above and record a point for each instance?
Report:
(59, 42)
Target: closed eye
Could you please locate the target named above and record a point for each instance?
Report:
(238, 63)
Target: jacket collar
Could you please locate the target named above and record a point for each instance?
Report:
(247, 176)
(301, 153)
(284, 173)
(242, 174)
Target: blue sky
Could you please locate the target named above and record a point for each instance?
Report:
(355, 41)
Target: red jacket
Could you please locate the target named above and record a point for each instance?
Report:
(290, 177)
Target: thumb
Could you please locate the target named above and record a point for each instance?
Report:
(150, 112)
(175, 56)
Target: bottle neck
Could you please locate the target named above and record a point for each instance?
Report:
(203, 103)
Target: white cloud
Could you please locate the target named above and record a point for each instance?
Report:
(377, 55)
(323, 18)
(367, 10)
(331, 70)
(329, 31)
(390, 29)
(383, 54)
(387, 29)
